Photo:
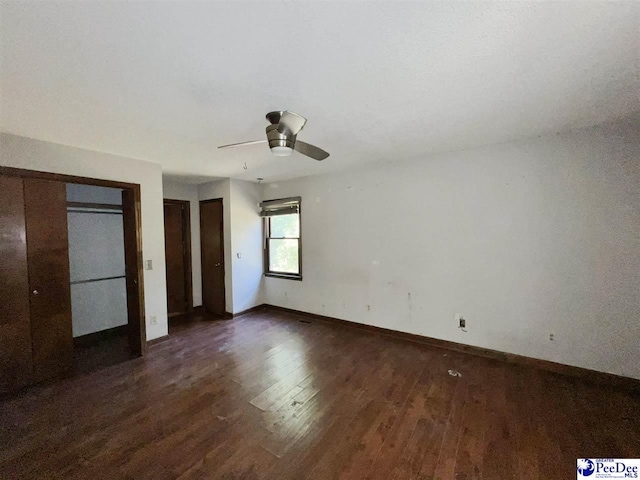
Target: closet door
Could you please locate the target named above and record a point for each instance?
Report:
(50, 294)
(133, 272)
(212, 246)
(16, 368)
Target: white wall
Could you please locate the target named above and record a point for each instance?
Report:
(78, 192)
(246, 245)
(96, 245)
(96, 250)
(21, 152)
(524, 239)
(222, 189)
(180, 191)
(98, 306)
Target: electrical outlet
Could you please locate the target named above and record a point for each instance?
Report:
(153, 319)
(552, 337)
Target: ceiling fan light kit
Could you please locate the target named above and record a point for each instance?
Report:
(281, 136)
(281, 151)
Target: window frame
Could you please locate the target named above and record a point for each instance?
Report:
(267, 237)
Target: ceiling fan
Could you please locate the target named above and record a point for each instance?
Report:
(281, 136)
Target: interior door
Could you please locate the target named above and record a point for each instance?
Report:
(45, 210)
(212, 245)
(133, 270)
(16, 367)
(175, 250)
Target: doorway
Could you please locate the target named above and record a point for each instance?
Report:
(98, 276)
(177, 244)
(212, 245)
(36, 340)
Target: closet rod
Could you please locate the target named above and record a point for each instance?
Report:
(96, 280)
(94, 212)
(100, 206)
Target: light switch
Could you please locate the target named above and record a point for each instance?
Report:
(148, 265)
(239, 255)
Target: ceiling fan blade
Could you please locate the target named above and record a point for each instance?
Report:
(242, 144)
(310, 150)
(291, 123)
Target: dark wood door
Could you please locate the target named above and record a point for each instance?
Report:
(48, 260)
(16, 367)
(212, 246)
(175, 250)
(133, 270)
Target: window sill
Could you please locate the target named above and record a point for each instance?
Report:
(288, 276)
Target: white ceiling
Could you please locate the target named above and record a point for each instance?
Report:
(168, 82)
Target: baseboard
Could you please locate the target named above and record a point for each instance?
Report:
(594, 376)
(200, 310)
(97, 337)
(161, 339)
(262, 306)
(228, 315)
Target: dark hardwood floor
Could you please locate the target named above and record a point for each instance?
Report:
(101, 353)
(267, 395)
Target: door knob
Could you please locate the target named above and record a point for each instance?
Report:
(35, 292)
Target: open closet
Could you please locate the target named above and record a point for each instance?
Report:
(70, 268)
(97, 276)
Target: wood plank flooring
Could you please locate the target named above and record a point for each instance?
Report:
(100, 353)
(269, 396)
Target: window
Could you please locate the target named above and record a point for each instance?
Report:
(282, 238)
